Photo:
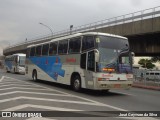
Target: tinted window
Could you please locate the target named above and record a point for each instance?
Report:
(38, 50)
(45, 49)
(157, 74)
(147, 73)
(88, 42)
(91, 61)
(15, 58)
(53, 48)
(28, 51)
(63, 46)
(32, 51)
(151, 73)
(83, 61)
(74, 45)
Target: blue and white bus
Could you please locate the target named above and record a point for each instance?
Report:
(15, 63)
(90, 60)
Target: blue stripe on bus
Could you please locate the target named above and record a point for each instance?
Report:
(51, 65)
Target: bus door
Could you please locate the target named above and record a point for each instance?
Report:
(88, 64)
(15, 64)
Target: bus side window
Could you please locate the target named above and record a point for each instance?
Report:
(16, 59)
(74, 45)
(28, 51)
(38, 50)
(53, 48)
(63, 47)
(83, 61)
(45, 49)
(88, 42)
(32, 51)
(91, 61)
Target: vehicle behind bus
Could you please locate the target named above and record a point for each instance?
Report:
(92, 60)
(15, 63)
(153, 75)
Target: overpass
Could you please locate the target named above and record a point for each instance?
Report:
(142, 28)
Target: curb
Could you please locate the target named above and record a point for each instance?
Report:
(146, 87)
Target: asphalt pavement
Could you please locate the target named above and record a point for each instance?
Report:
(18, 93)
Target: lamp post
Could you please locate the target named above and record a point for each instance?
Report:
(47, 27)
(71, 27)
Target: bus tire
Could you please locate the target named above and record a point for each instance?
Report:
(7, 70)
(34, 75)
(76, 83)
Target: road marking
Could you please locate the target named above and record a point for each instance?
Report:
(22, 88)
(58, 91)
(16, 108)
(40, 86)
(17, 85)
(49, 100)
(13, 82)
(2, 78)
(97, 103)
(39, 107)
(94, 102)
(13, 92)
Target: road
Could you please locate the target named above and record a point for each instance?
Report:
(19, 93)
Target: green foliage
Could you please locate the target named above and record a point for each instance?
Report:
(146, 63)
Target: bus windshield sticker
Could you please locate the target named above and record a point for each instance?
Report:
(97, 40)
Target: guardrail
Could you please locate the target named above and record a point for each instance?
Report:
(131, 17)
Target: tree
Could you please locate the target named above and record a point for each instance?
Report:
(146, 63)
(155, 59)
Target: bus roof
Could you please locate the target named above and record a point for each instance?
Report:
(20, 54)
(77, 35)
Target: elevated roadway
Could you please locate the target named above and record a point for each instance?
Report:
(142, 28)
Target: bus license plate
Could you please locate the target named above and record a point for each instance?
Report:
(117, 86)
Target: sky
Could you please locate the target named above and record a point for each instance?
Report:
(19, 19)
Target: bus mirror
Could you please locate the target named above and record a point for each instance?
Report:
(96, 56)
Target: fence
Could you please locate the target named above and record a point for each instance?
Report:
(141, 77)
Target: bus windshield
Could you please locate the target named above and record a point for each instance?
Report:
(22, 61)
(114, 54)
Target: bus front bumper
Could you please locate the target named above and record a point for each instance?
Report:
(103, 85)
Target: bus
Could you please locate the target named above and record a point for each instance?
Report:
(15, 63)
(152, 75)
(91, 60)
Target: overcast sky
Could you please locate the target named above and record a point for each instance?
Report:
(19, 19)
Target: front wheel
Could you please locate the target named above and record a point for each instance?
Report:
(34, 75)
(76, 84)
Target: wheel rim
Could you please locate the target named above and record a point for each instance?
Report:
(34, 76)
(76, 84)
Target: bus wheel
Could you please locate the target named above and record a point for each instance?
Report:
(76, 84)
(7, 70)
(34, 75)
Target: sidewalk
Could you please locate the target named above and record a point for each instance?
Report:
(146, 86)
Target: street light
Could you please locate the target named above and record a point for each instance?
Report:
(71, 27)
(47, 27)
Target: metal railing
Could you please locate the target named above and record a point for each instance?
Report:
(127, 18)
